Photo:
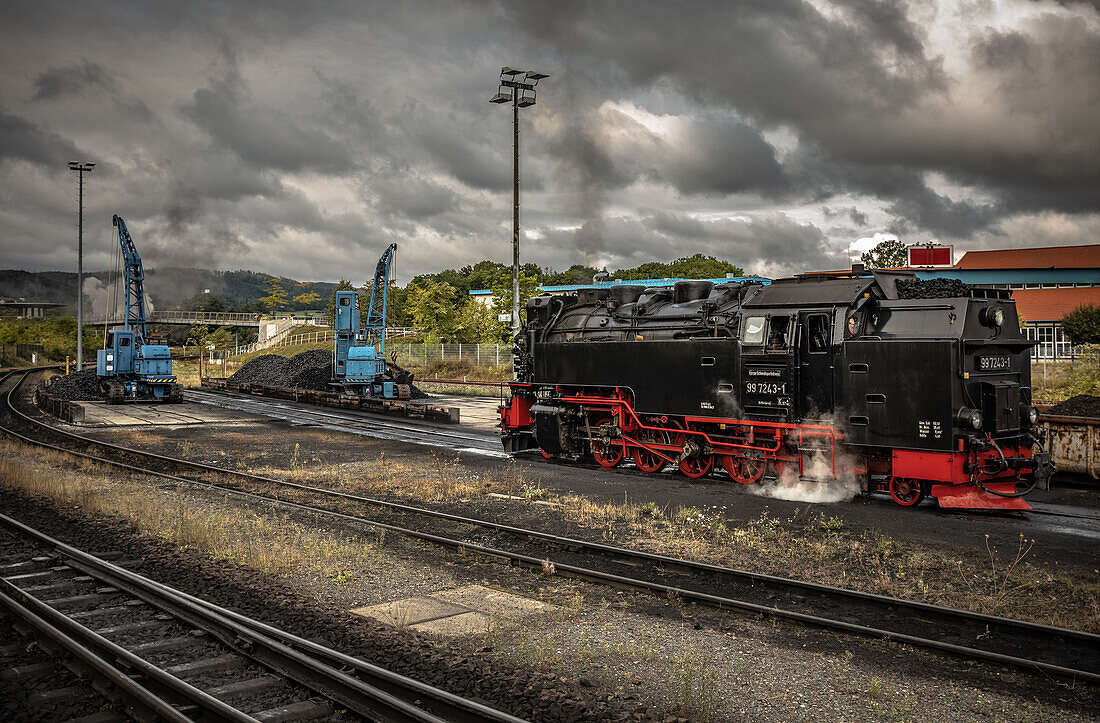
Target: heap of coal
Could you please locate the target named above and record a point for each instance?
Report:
(76, 387)
(268, 370)
(931, 289)
(1082, 405)
(309, 370)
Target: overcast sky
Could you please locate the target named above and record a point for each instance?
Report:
(300, 138)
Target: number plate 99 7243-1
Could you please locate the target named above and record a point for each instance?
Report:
(994, 363)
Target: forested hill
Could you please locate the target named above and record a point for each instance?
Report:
(166, 288)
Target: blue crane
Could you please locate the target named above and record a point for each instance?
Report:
(127, 368)
(359, 364)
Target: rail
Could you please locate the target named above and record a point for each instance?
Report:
(1055, 651)
(359, 686)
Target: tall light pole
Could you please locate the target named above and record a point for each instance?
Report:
(521, 93)
(80, 168)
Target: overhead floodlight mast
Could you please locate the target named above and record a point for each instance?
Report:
(80, 168)
(521, 93)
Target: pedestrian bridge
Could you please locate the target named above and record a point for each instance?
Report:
(214, 318)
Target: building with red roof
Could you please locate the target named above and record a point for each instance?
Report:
(1047, 283)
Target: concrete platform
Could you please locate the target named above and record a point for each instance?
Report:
(477, 412)
(101, 414)
(458, 611)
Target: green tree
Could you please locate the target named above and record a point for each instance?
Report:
(890, 254)
(575, 274)
(276, 295)
(433, 308)
(1082, 325)
(502, 301)
(696, 266)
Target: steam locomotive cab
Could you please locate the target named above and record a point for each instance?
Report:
(818, 377)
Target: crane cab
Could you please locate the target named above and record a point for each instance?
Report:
(117, 358)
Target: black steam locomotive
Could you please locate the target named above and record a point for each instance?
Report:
(846, 376)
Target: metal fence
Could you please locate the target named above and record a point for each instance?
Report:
(480, 354)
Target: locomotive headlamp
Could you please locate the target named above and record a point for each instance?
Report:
(992, 316)
(1030, 412)
(970, 417)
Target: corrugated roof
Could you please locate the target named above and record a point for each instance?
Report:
(1085, 256)
(1052, 304)
(651, 282)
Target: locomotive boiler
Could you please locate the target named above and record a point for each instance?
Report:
(899, 385)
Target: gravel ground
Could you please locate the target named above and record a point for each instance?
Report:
(1082, 405)
(636, 651)
(76, 387)
(532, 694)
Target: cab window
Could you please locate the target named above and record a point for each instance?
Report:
(124, 341)
(754, 330)
(818, 341)
(778, 329)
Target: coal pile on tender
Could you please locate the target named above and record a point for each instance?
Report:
(931, 289)
(1082, 405)
(79, 386)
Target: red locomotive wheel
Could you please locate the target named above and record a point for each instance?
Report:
(645, 460)
(697, 467)
(744, 470)
(906, 492)
(609, 456)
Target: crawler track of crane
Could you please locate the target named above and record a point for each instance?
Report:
(175, 657)
(1054, 651)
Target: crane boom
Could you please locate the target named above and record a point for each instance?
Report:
(134, 319)
(374, 327)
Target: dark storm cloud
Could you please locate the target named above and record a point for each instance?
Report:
(722, 157)
(864, 87)
(465, 153)
(73, 79)
(781, 60)
(289, 137)
(752, 242)
(22, 140)
(414, 198)
(263, 135)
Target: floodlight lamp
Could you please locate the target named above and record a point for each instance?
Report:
(90, 166)
(525, 101)
(509, 71)
(536, 76)
(500, 98)
(72, 164)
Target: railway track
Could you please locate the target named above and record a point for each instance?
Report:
(1055, 651)
(176, 657)
(438, 436)
(466, 441)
